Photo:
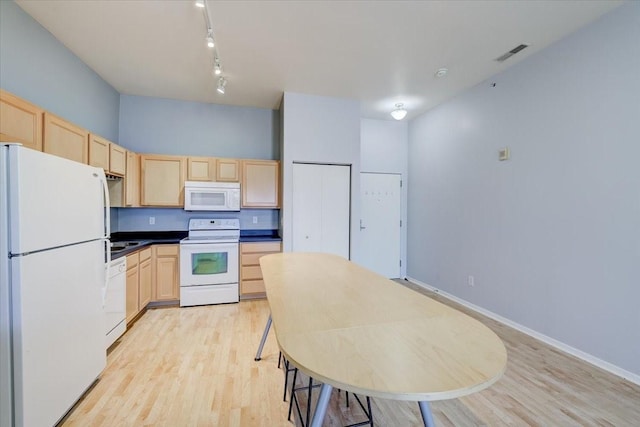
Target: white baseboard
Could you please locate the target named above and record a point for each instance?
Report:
(616, 370)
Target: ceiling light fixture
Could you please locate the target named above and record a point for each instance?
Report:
(210, 41)
(217, 68)
(399, 113)
(441, 72)
(199, 3)
(222, 82)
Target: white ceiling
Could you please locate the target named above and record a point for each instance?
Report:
(379, 52)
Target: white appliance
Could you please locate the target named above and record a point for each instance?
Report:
(209, 262)
(54, 227)
(115, 301)
(211, 196)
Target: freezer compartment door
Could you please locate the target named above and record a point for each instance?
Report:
(53, 201)
(58, 330)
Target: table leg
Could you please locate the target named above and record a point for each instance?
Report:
(321, 407)
(264, 338)
(427, 417)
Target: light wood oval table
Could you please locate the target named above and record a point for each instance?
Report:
(351, 328)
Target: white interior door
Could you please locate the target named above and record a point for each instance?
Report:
(307, 208)
(380, 225)
(321, 208)
(336, 194)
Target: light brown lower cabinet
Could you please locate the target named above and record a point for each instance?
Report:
(139, 283)
(251, 283)
(133, 284)
(166, 273)
(145, 278)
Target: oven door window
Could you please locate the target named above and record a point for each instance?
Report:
(209, 263)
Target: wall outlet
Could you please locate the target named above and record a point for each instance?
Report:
(152, 220)
(471, 281)
(255, 219)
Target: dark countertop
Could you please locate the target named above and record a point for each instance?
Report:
(247, 236)
(155, 236)
(144, 238)
(148, 238)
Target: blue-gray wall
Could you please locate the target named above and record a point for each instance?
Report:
(164, 126)
(172, 219)
(320, 129)
(37, 67)
(553, 235)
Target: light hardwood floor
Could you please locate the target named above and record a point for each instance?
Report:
(194, 367)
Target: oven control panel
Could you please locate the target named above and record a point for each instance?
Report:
(214, 224)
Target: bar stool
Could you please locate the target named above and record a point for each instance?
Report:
(286, 374)
(309, 388)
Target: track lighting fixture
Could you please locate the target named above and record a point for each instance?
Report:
(222, 82)
(217, 65)
(399, 113)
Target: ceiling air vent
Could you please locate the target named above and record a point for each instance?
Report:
(511, 53)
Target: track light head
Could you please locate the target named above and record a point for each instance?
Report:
(222, 82)
(210, 41)
(200, 3)
(399, 113)
(217, 67)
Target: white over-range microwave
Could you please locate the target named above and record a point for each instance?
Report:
(211, 196)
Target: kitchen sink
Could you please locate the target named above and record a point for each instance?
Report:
(121, 246)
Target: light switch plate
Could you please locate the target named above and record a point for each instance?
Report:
(504, 154)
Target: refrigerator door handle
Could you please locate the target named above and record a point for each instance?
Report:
(107, 266)
(107, 207)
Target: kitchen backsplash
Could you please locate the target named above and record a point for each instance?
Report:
(175, 219)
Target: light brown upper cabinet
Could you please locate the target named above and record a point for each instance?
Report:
(201, 169)
(260, 183)
(64, 139)
(132, 180)
(99, 152)
(107, 155)
(228, 170)
(117, 160)
(162, 180)
(20, 121)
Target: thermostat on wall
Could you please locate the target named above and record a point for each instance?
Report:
(503, 154)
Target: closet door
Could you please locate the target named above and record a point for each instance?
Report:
(307, 208)
(321, 208)
(336, 185)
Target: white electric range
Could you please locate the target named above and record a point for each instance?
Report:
(209, 262)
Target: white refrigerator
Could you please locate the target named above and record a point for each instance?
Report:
(54, 229)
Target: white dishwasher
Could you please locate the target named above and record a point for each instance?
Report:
(115, 300)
